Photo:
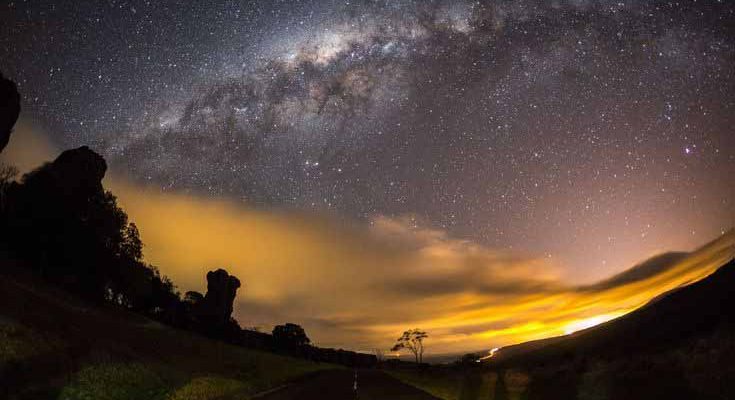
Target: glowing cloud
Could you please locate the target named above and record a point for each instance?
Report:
(359, 285)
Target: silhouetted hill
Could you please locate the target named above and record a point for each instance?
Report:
(692, 311)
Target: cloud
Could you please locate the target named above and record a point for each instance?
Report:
(640, 272)
(359, 285)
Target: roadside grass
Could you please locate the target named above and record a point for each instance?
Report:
(54, 346)
(210, 387)
(115, 381)
(203, 370)
(17, 342)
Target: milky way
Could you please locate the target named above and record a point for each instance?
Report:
(591, 132)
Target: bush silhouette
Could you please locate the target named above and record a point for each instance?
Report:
(290, 336)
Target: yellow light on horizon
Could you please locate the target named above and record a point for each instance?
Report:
(582, 324)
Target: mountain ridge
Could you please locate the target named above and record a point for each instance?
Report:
(698, 308)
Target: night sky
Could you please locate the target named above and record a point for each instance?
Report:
(590, 133)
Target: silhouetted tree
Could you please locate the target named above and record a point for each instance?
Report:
(185, 316)
(193, 298)
(164, 301)
(290, 336)
(61, 220)
(413, 340)
(131, 245)
(7, 173)
(9, 109)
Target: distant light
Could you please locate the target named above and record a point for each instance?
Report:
(688, 150)
(492, 353)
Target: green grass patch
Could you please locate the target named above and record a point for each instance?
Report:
(18, 343)
(250, 373)
(52, 346)
(115, 381)
(210, 387)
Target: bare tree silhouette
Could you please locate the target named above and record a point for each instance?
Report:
(413, 340)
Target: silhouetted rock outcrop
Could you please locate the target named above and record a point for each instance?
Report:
(216, 308)
(9, 109)
(75, 173)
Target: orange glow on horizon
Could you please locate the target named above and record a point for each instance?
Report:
(359, 286)
(582, 324)
(353, 278)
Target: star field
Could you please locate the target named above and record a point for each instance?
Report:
(591, 132)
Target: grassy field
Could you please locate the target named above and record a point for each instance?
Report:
(54, 346)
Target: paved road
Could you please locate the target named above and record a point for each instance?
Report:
(340, 385)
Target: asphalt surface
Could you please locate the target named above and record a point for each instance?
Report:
(349, 385)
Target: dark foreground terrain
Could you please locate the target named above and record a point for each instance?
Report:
(54, 346)
(349, 384)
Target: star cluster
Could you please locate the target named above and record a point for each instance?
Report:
(593, 132)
